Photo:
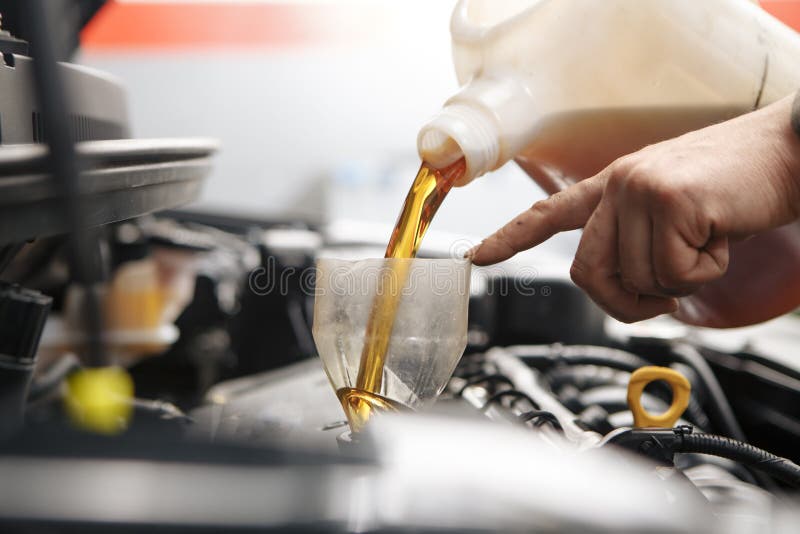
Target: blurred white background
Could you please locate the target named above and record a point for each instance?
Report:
(326, 132)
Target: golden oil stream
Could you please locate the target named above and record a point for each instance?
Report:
(429, 189)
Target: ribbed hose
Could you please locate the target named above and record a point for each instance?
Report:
(744, 453)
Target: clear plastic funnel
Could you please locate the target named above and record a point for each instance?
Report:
(390, 331)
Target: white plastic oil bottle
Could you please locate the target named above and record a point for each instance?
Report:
(566, 87)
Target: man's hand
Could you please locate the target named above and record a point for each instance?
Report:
(657, 222)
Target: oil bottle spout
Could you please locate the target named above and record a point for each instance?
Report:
(458, 131)
(485, 123)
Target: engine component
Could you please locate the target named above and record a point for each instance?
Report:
(22, 317)
(663, 444)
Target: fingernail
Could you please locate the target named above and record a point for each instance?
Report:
(470, 254)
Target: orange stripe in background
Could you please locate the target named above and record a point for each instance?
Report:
(178, 25)
(787, 11)
(181, 25)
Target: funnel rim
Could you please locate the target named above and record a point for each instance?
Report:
(390, 261)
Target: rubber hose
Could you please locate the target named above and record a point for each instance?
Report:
(744, 453)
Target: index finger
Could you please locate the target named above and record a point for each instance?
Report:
(566, 210)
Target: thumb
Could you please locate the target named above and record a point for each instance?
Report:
(566, 210)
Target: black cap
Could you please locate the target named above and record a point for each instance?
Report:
(23, 313)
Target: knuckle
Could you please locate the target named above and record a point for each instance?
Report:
(642, 178)
(579, 273)
(666, 194)
(545, 208)
(504, 239)
(640, 182)
(629, 175)
(624, 165)
(616, 180)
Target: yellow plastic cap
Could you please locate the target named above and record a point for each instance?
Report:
(681, 390)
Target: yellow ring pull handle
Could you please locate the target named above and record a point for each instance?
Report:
(681, 389)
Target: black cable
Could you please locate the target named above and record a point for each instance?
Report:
(744, 453)
(63, 163)
(542, 417)
(725, 420)
(720, 408)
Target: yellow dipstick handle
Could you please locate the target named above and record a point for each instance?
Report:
(681, 389)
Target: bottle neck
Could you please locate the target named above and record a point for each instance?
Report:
(487, 123)
(461, 130)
